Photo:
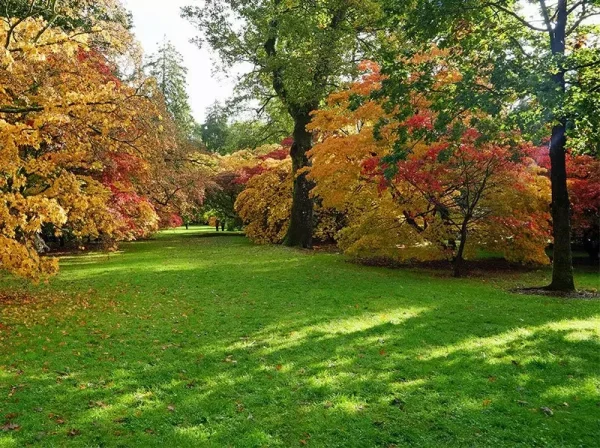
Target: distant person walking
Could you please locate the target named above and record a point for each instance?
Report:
(217, 225)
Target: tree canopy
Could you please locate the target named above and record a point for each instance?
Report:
(530, 66)
(299, 52)
(398, 130)
(86, 152)
(167, 68)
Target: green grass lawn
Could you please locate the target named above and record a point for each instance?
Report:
(193, 340)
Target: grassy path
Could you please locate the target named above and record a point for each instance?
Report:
(191, 340)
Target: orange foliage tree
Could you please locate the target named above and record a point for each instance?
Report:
(445, 198)
(265, 204)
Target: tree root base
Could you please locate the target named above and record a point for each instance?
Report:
(546, 291)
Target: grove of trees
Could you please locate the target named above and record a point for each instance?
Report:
(398, 130)
(299, 51)
(91, 147)
(469, 93)
(533, 65)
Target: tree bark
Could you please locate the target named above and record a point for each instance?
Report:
(562, 266)
(459, 259)
(562, 263)
(300, 231)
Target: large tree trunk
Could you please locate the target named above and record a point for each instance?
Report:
(301, 223)
(299, 233)
(562, 267)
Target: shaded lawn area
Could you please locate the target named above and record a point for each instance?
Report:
(188, 341)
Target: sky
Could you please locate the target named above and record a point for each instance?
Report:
(155, 19)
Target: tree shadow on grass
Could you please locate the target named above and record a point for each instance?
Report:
(380, 385)
(286, 351)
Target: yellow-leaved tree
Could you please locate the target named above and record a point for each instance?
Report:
(80, 150)
(265, 202)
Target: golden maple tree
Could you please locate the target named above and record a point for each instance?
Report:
(81, 150)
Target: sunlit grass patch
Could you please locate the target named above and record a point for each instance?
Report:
(196, 340)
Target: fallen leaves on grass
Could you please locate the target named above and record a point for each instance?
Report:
(546, 410)
(97, 404)
(57, 419)
(15, 298)
(10, 427)
(15, 388)
(305, 440)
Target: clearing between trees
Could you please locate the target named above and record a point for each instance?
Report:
(194, 340)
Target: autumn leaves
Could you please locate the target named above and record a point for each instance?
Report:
(446, 198)
(86, 152)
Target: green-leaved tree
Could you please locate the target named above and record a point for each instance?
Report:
(166, 66)
(299, 51)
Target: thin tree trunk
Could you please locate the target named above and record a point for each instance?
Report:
(459, 259)
(562, 266)
(301, 223)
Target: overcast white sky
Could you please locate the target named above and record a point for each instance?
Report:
(155, 19)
